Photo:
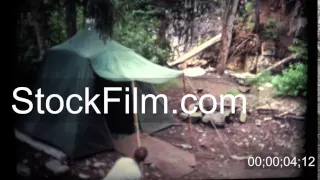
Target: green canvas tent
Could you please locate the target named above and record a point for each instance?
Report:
(86, 61)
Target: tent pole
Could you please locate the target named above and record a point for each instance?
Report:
(189, 124)
(135, 118)
(136, 123)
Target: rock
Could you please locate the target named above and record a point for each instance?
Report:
(260, 88)
(56, 167)
(210, 69)
(268, 85)
(83, 176)
(258, 122)
(23, 170)
(183, 116)
(101, 173)
(157, 174)
(98, 164)
(217, 118)
(244, 89)
(87, 163)
(185, 146)
(153, 166)
(25, 161)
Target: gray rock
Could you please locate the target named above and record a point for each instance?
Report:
(183, 116)
(87, 163)
(217, 118)
(56, 167)
(244, 89)
(83, 176)
(153, 166)
(258, 122)
(99, 164)
(101, 173)
(185, 146)
(23, 170)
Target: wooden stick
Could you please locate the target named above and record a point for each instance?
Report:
(196, 50)
(136, 121)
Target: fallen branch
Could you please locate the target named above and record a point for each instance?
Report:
(295, 117)
(277, 64)
(196, 50)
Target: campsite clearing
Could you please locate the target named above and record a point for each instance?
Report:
(270, 137)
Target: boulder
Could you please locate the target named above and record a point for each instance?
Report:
(217, 118)
(183, 116)
(56, 167)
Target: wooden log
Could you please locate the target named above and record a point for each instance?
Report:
(196, 50)
(295, 117)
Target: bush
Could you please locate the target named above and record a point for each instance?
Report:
(292, 82)
(264, 77)
(299, 49)
(137, 30)
(271, 29)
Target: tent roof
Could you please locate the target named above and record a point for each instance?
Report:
(113, 61)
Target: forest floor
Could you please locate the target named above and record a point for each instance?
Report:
(269, 138)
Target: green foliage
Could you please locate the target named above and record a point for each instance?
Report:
(248, 7)
(264, 77)
(137, 30)
(271, 29)
(292, 82)
(232, 92)
(299, 49)
(57, 26)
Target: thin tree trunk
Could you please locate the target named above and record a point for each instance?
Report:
(71, 17)
(227, 34)
(257, 17)
(35, 18)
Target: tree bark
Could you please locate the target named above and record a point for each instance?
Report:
(35, 18)
(71, 17)
(257, 17)
(229, 17)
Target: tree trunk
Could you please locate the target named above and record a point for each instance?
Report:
(35, 18)
(257, 16)
(229, 17)
(71, 17)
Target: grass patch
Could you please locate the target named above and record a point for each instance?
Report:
(232, 92)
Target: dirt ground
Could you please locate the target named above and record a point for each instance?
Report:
(270, 138)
